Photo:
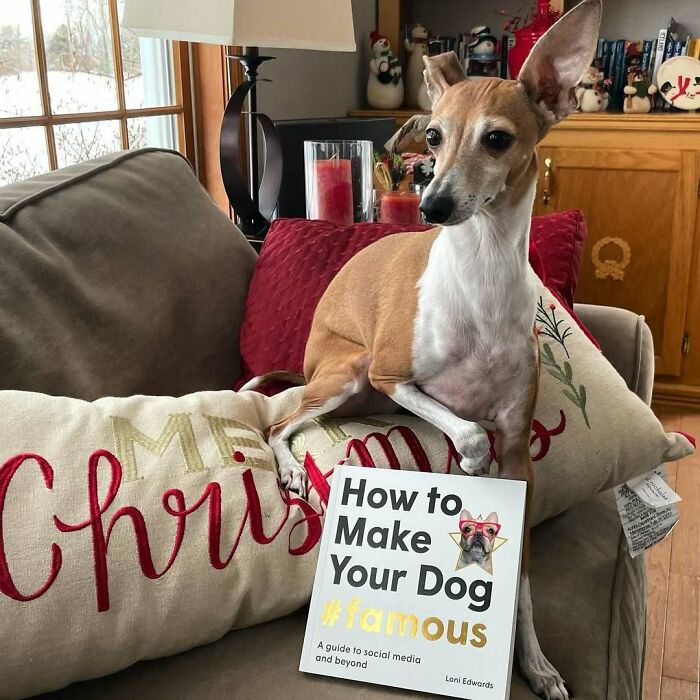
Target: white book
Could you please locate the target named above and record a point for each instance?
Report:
(417, 582)
(659, 58)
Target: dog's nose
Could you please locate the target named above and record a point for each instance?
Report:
(437, 210)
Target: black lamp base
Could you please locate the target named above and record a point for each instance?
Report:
(253, 201)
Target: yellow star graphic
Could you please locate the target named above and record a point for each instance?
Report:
(457, 538)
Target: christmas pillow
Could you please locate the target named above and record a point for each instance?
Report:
(590, 432)
(132, 528)
(301, 257)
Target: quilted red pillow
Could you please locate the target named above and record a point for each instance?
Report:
(301, 257)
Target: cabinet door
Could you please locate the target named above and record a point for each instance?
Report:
(639, 207)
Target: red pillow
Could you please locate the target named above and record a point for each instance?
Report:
(300, 257)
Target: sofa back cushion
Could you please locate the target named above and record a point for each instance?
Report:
(119, 276)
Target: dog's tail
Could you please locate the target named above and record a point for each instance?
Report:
(290, 377)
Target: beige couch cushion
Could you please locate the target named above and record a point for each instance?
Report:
(119, 276)
(582, 574)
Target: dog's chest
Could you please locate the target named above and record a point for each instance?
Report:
(472, 347)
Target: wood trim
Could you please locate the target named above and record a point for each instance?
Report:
(12, 122)
(668, 394)
(210, 96)
(389, 23)
(183, 97)
(42, 71)
(118, 69)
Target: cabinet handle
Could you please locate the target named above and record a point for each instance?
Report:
(546, 188)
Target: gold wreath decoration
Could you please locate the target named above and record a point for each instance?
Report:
(609, 267)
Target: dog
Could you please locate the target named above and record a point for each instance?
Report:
(476, 541)
(441, 323)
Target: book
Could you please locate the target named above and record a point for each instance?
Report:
(618, 74)
(417, 582)
(694, 50)
(660, 51)
(646, 54)
(601, 45)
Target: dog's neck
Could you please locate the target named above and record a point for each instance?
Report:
(482, 264)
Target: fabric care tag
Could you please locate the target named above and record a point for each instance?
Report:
(417, 582)
(647, 508)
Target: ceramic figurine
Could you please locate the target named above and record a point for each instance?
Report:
(483, 56)
(679, 82)
(638, 90)
(592, 91)
(416, 48)
(384, 84)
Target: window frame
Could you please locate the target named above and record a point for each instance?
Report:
(182, 109)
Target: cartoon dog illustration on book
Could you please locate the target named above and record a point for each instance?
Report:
(477, 540)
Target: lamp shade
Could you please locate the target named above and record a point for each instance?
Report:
(324, 25)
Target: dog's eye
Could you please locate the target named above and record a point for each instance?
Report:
(497, 141)
(433, 138)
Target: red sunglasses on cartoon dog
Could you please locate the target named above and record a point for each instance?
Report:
(485, 527)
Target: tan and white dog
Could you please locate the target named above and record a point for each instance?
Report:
(441, 323)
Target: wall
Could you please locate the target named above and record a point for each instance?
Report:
(318, 83)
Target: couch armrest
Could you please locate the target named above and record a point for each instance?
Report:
(626, 342)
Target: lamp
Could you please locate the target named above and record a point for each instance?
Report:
(324, 25)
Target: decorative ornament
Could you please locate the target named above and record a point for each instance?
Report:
(615, 269)
(638, 90)
(384, 84)
(526, 36)
(483, 55)
(416, 48)
(592, 91)
(679, 82)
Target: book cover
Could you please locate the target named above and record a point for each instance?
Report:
(417, 582)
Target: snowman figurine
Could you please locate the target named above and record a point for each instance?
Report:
(591, 92)
(384, 84)
(483, 57)
(416, 48)
(638, 91)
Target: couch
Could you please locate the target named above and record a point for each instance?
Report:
(120, 276)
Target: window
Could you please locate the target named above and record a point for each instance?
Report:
(74, 85)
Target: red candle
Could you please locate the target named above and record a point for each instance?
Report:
(399, 208)
(334, 191)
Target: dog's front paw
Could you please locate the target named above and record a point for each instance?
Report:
(474, 450)
(293, 477)
(543, 678)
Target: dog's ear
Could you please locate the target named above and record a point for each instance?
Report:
(465, 515)
(492, 518)
(560, 58)
(413, 131)
(441, 72)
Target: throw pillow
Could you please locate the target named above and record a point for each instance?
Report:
(301, 257)
(132, 528)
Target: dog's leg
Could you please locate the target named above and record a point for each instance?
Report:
(515, 462)
(470, 439)
(328, 390)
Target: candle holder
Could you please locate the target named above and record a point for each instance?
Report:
(399, 207)
(338, 178)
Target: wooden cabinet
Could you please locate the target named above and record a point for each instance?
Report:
(638, 206)
(637, 180)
